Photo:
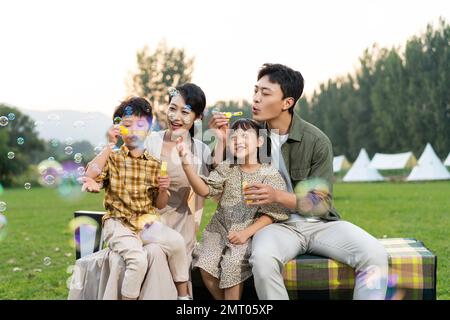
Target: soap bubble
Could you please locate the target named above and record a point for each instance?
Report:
(2, 206)
(54, 143)
(51, 159)
(78, 157)
(78, 124)
(53, 117)
(89, 225)
(68, 150)
(27, 185)
(81, 171)
(47, 261)
(70, 269)
(11, 116)
(314, 196)
(50, 172)
(11, 155)
(74, 281)
(173, 92)
(49, 179)
(20, 140)
(98, 149)
(38, 124)
(3, 121)
(69, 141)
(69, 187)
(128, 110)
(3, 227)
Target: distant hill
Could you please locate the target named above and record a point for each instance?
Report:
(62, 124)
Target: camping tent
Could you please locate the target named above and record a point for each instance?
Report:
(340, 163)
(447, 161)
(382, 161)
(360, 170)
(429, 167)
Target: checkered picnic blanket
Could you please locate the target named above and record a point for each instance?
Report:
(412, 274)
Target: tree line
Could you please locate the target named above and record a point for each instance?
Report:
(397, 100)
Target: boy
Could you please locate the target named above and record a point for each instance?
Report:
(133, 189)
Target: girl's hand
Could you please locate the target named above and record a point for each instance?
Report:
(219, 123)
(89, 185)
(238, 237)
(182, 151)
(163, 183)
(180, 147)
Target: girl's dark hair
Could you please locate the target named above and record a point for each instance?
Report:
(137, 106)
(249, 124)
(194, 96)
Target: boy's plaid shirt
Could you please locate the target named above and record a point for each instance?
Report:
(131, 186)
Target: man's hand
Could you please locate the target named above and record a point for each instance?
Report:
(89, 185)
(238, 237)
(260, 194)
(163, 183)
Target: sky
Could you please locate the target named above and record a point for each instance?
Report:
(78, 55)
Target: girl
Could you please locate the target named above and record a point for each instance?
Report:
(224, 250)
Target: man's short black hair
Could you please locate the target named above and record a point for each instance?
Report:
(290, 81)
(137, 106)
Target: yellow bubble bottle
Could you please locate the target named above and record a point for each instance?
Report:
(244, 185)
(123, 130)
(163, 169)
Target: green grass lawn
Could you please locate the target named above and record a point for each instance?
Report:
(39, 219)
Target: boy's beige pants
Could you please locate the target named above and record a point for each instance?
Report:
(129, 245)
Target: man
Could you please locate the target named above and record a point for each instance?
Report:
(301, 152)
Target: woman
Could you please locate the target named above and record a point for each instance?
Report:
(184, 210)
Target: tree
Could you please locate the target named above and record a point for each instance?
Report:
(11, 135)
(157, 71)
(395, 102)
(427, 60)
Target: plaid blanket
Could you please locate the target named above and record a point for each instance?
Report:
(412, 274)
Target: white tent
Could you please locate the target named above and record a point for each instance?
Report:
(382, 161)
(340, 163)
(360, 170)
(447, 161)
(429, 167)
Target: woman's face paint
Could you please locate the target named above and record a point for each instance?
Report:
(180, 115)
(171, 115)
(186, 114)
